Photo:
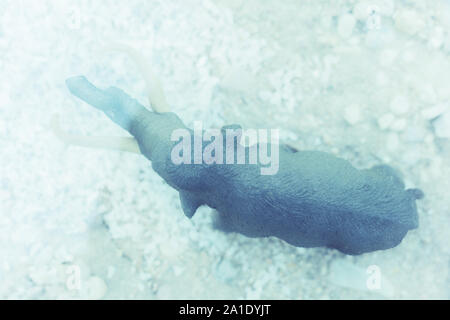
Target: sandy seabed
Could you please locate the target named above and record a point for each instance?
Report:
(368, 81)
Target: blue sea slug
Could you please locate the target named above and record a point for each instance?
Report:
(313, 200)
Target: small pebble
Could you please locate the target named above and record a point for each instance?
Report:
(352, 114)
(385, 121)
(378, 38)
(400, 104)
(363, 9)
(398, 125)
(411, 157)
(386, 7)
(409, 21)
(409, 57)
(434, 111)
(374, 39)
(346, 24)
(226, 271)
(437, 38)
(392, 142)
(94, 288)
(415, 134)
(427, 94)
(382, 79)
(177, 270)
(442, 126)
(387, 57)
(110, 272)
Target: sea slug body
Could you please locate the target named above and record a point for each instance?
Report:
(314, 200)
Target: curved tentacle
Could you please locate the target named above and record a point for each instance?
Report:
(156, 95)
(157, 101)
(127, 144)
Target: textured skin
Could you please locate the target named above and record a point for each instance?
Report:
(315, 199)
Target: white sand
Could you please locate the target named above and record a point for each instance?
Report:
(369, 82)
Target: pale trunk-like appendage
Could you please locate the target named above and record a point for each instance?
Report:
(157, 101)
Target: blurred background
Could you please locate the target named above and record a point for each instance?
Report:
(368, 81)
